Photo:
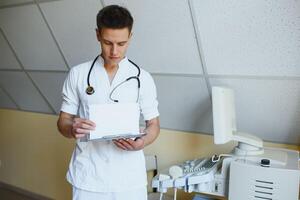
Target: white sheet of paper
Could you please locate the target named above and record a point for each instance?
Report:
(114, 120)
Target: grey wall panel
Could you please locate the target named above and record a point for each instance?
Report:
(114, 2)
(251, 37)
(184, 103)
(30, 38)
(73, 23)
(163, 37)
(5, 101)
(7, 58)
(51, 86)
(269, 109)
(21, 89)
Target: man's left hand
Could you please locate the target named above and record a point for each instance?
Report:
(129, 144)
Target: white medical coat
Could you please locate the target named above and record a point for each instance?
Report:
(100, 166)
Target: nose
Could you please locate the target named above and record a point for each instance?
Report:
(114, 50)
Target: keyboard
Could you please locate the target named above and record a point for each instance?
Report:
(198, 165)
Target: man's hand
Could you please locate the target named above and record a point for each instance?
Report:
(129, 144)
(152, 131)
(72, 127)
(81, 127)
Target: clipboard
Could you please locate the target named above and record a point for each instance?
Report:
(115, 121)
(122, 136)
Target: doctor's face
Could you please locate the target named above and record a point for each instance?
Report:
(114, 44)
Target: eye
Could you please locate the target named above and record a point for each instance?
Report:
(107, 42)
(122, 43)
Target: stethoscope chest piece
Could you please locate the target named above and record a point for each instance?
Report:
(90, 90)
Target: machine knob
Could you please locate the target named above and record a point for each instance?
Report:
(192, 164)
(175, 171)
(265, 163)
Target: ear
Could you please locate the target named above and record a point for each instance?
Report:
(98, 34)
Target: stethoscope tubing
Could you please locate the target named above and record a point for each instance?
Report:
(90, 89)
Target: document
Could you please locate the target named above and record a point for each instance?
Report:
(113, 121)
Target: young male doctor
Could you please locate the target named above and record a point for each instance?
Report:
(108, 170)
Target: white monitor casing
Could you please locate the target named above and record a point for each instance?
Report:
(224, 120)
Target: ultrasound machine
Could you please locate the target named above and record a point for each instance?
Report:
(250, 172)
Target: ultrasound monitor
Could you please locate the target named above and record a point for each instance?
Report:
(224, 123)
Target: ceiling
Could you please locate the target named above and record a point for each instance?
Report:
(188, 46)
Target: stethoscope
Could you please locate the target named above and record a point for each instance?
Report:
(90, 89)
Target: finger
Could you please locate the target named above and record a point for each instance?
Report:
(87, 126)
(137, 144)
(86, 121)
(118, 144)
(77, 136)
(126, 144)
(89, 122)
(81, 131)
(130, 142)
(81, 125)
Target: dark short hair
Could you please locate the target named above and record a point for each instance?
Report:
(115, 17)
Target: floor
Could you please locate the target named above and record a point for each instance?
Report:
(6, 194)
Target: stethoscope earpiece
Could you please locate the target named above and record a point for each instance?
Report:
(90, 90)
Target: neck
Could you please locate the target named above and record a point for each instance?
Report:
(111, 70)
(110, 67)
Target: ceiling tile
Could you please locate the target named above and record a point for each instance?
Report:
(184, 103)
(5, 101)
(7, 58)
(30, 38)
(21, 89)
(163, 37)
(75, 31)
(13, 2)
(50, 85)
(250, 37)
(268, 109)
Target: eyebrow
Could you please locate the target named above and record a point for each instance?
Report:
(117, 42)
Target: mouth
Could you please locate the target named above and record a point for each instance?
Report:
(114, 58)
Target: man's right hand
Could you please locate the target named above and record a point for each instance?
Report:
(73, 127)
(81, 127)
